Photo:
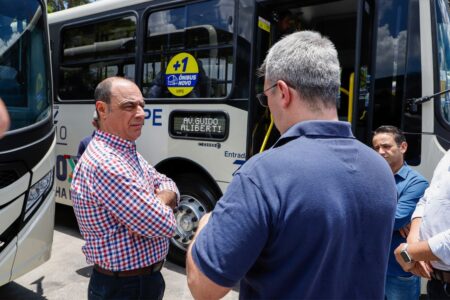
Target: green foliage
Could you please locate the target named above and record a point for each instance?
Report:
(56, 5)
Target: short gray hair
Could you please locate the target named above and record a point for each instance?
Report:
(103, 91)
(308, 62)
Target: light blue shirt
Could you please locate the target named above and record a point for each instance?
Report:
(410, 188)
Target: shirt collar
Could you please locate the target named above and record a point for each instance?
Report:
(335, 129)
(403, 172)
(115, 141)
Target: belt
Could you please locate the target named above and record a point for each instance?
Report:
(441, 275)
(156, 267)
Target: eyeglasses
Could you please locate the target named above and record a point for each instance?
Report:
(262, 98)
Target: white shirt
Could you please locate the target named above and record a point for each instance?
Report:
(434, 209)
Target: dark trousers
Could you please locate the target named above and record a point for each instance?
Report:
(150, 286)
(437, 289)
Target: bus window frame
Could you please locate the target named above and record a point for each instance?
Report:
(85, 21)
(441, 127)
(173, 100)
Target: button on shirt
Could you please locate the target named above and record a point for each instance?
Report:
(434, 209)
(410, 188)
(124, 224)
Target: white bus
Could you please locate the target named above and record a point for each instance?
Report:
(196, 62)
(27, 151)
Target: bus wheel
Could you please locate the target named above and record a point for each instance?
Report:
(196, 199)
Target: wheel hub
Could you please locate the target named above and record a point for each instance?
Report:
(187, 214)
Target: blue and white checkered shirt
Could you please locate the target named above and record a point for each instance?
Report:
(123, 222)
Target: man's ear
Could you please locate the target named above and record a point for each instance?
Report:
(101, 108)
(403, 147)
(286, 95)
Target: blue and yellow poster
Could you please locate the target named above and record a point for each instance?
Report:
(181, 74)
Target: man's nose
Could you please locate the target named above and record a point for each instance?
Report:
(140, 113)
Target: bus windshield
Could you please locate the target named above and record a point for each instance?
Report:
(24, 79)
(443, 43)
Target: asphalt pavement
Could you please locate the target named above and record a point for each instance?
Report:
(66, 274)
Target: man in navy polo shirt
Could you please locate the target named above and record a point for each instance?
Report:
(310, 218)
(390, 143)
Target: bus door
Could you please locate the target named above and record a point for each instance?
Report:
(360, 114)
(335, 19)
(388, 71)
(259, 117)
(379, 53)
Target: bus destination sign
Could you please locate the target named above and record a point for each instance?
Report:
(200, 125)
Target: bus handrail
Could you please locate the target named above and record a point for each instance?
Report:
(413, 102)
(350, 97)
(350, 111)
(212, 32)
(97, 47)
(266, 137)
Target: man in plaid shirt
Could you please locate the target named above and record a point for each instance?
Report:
(122, 204)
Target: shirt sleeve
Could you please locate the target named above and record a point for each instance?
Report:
(162, 182)
(420, 207)
(440, 246)
(235, 235)
(407, 203)
(131, 204)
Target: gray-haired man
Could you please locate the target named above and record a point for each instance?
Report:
(311, 217)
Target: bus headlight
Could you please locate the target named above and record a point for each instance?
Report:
(38, 192)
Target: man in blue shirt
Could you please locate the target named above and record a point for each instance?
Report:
(390, 143)
(310, 218)
(87, 139)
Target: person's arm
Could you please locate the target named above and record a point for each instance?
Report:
(4, 119)
(229, 241)
(417, 250)
(165, 188)
(420, 207)
(407, 202)
(440, 246)
(420, 253)
(414, 231)
(168, 197)
(419, 268)
(136, 207)
(200, 285)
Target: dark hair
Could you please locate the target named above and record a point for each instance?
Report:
(399, 137)
(283, 14)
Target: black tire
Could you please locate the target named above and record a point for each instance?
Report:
(197, 197)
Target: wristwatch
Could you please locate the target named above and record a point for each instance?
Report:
(405, 255)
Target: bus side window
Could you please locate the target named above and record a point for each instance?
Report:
(93, 52)
(207, 37)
